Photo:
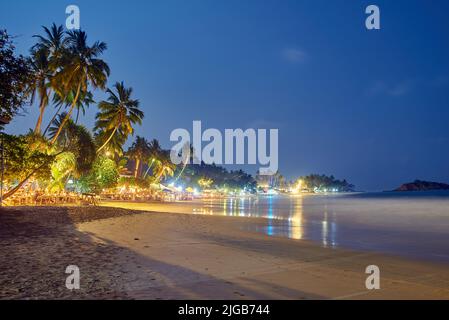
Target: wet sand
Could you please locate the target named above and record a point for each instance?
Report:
(414, 226)
(149, 255)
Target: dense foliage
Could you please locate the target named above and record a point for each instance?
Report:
(14, 77)
(218, 177)
(323, 182)
(21, 160)
(103, 175)
(62, 68)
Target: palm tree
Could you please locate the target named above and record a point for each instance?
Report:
(188, 153)
(54, 43)
(155, 148)
(44, 62)
(117, 115)
(39, 83)
(61, 169)
(81, 68)
(164, 166)
(155, 151)
(115, 145)
(75, 139)
(85, 99)
(139, 150)
(54, 128)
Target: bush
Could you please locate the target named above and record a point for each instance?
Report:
(103, 175)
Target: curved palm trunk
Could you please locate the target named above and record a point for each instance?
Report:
(16, 188)
(184, 164)
(182, 170)
(148, 170)
(42, 107)
(107, 141)
(136, 171)
(158, 178)
(161, 172)
(52, 119)
(69, 114)
(77, 115)
(21, 183)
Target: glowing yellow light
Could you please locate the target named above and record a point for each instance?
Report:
(298, 187)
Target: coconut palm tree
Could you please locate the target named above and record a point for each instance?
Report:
(139, 151)
(39, 85)
(54, 42)
(155, 147)
(61, 169)
(118, 114)
(81, 68)
(163, 166)
(188, 154)
(54, 128)
(114, 147)
(155, 150)
(44, 62)
(85, 99)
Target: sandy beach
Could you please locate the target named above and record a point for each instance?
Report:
(126, 254)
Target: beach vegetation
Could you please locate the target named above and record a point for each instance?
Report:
(15, 74)
(116, 118)
(63, 71)
(103, 175)
(320, 183)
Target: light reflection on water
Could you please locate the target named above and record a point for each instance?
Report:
(280, 222)
(409, 224)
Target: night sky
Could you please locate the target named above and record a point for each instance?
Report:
(368, 106)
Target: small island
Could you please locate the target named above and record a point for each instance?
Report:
(419, 185)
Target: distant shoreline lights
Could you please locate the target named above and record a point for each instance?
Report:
(258, 151)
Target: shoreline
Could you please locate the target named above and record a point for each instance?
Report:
(130, 254)
(373, 226)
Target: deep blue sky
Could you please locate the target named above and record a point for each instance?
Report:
(369, 106)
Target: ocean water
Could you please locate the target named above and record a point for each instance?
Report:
(410, 224)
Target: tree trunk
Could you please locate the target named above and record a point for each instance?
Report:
(43, 104)
(160, 174)
(107, 141)
(67, 117)
(52, 119)
(136, 171)
(21, 183)
(148, 170)
(77, 115)
(182, 170)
